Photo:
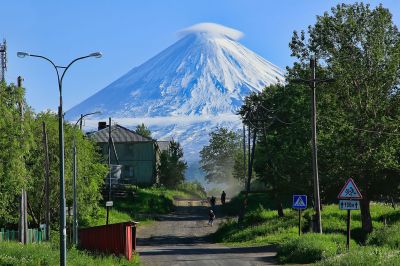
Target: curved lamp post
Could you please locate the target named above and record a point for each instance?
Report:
(74, 167)
(63, 231)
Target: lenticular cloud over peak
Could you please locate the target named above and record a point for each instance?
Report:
(212, 29)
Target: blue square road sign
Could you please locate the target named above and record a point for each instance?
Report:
(299, 202)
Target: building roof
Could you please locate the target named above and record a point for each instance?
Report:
(119, 134)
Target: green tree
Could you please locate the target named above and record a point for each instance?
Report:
(218, 157)
(22, 162)
(280, 115)
(239, 171)
(359, 113)
(143, 130)
(15, 142)
(91, 172)
(172, 166)
(255, 116)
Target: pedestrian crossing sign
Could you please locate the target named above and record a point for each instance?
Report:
(299, 202)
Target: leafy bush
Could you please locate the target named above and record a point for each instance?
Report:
(388, 236)
(366, 256)
(311, 247)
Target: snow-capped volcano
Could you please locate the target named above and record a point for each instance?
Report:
(188, 89)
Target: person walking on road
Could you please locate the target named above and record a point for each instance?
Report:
(223, 197)
(211, 217)
(212, 202)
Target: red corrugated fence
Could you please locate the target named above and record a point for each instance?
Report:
(118, 239)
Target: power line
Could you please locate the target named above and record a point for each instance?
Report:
(362, 129)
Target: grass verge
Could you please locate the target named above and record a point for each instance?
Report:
(262, 226)
(366, 256)
(146, 201)
(311, 248)
(14, 253)
(387, 236)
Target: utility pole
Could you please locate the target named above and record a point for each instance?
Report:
(74, 200)
(47, 171)
(318, 223)
(312, 83)
(3, 60)
(75, 224)
(80, 122)
(242, 210)
(244, 152)
(23, 216)
(248, 160)
(109, 165)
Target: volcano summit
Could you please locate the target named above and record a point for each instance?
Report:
(187, 90)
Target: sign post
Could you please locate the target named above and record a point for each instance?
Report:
(349, 198)
(299, 203)
(348, 230)
(299, 221)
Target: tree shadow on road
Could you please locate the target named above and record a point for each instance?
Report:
(213, 252)
(172, 240)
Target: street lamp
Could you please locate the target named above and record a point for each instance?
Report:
(63, 231)
(74, 167)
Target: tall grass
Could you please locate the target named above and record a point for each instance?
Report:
(13, 253)
(365, 256)
(388, 236)
(195, 189)
(145, 201)
(152, 200)
(262, 226)
(254, 201)
(311, 248)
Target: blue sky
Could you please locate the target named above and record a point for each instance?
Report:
(130, 32)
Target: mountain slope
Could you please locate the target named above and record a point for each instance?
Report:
(188, 89)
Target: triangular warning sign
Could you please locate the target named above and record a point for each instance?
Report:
(350, 191)
(299, 203)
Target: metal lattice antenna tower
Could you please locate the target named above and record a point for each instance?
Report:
(3, 60)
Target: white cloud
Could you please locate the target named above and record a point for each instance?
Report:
(212, 29)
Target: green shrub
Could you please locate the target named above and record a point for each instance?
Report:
(388, 236)
(366, 256)
(311, 247)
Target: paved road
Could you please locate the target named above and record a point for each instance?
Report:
(181, 238)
